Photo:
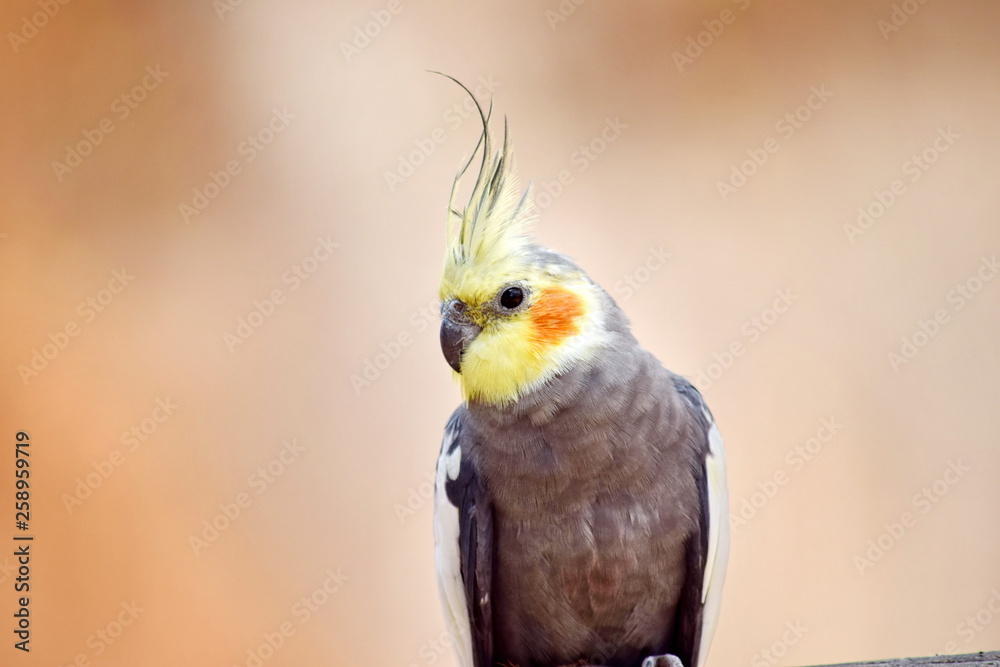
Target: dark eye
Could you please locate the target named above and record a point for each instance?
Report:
(511, 298)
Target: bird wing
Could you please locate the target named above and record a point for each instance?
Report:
(718, 536)
(463, 549)
(708, 551)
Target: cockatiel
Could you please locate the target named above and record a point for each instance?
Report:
(581, 506)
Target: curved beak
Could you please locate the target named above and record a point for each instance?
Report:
(455, 336)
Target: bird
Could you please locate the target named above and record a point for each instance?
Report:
(581, 508)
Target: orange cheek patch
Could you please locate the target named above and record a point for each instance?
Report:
(554, 316)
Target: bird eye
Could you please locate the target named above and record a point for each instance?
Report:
(511, 298)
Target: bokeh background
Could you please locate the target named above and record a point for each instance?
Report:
(221, 227)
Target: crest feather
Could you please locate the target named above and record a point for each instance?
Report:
(494, 224)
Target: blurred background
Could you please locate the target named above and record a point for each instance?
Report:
(221, 229)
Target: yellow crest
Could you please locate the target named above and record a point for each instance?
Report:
(493, 228)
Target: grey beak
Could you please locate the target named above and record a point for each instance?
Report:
(454, 337)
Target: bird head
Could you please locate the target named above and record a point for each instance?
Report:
(514, 315)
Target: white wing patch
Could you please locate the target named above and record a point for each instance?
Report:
(718, 538)
(447, 555)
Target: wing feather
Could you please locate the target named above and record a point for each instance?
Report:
(708, 552)
(718, 537)
(463, 543)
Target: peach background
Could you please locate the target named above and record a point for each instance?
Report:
(366, 453)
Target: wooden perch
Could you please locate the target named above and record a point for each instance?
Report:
(981, 659)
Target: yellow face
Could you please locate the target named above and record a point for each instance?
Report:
(512, 315)
(507, 331)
